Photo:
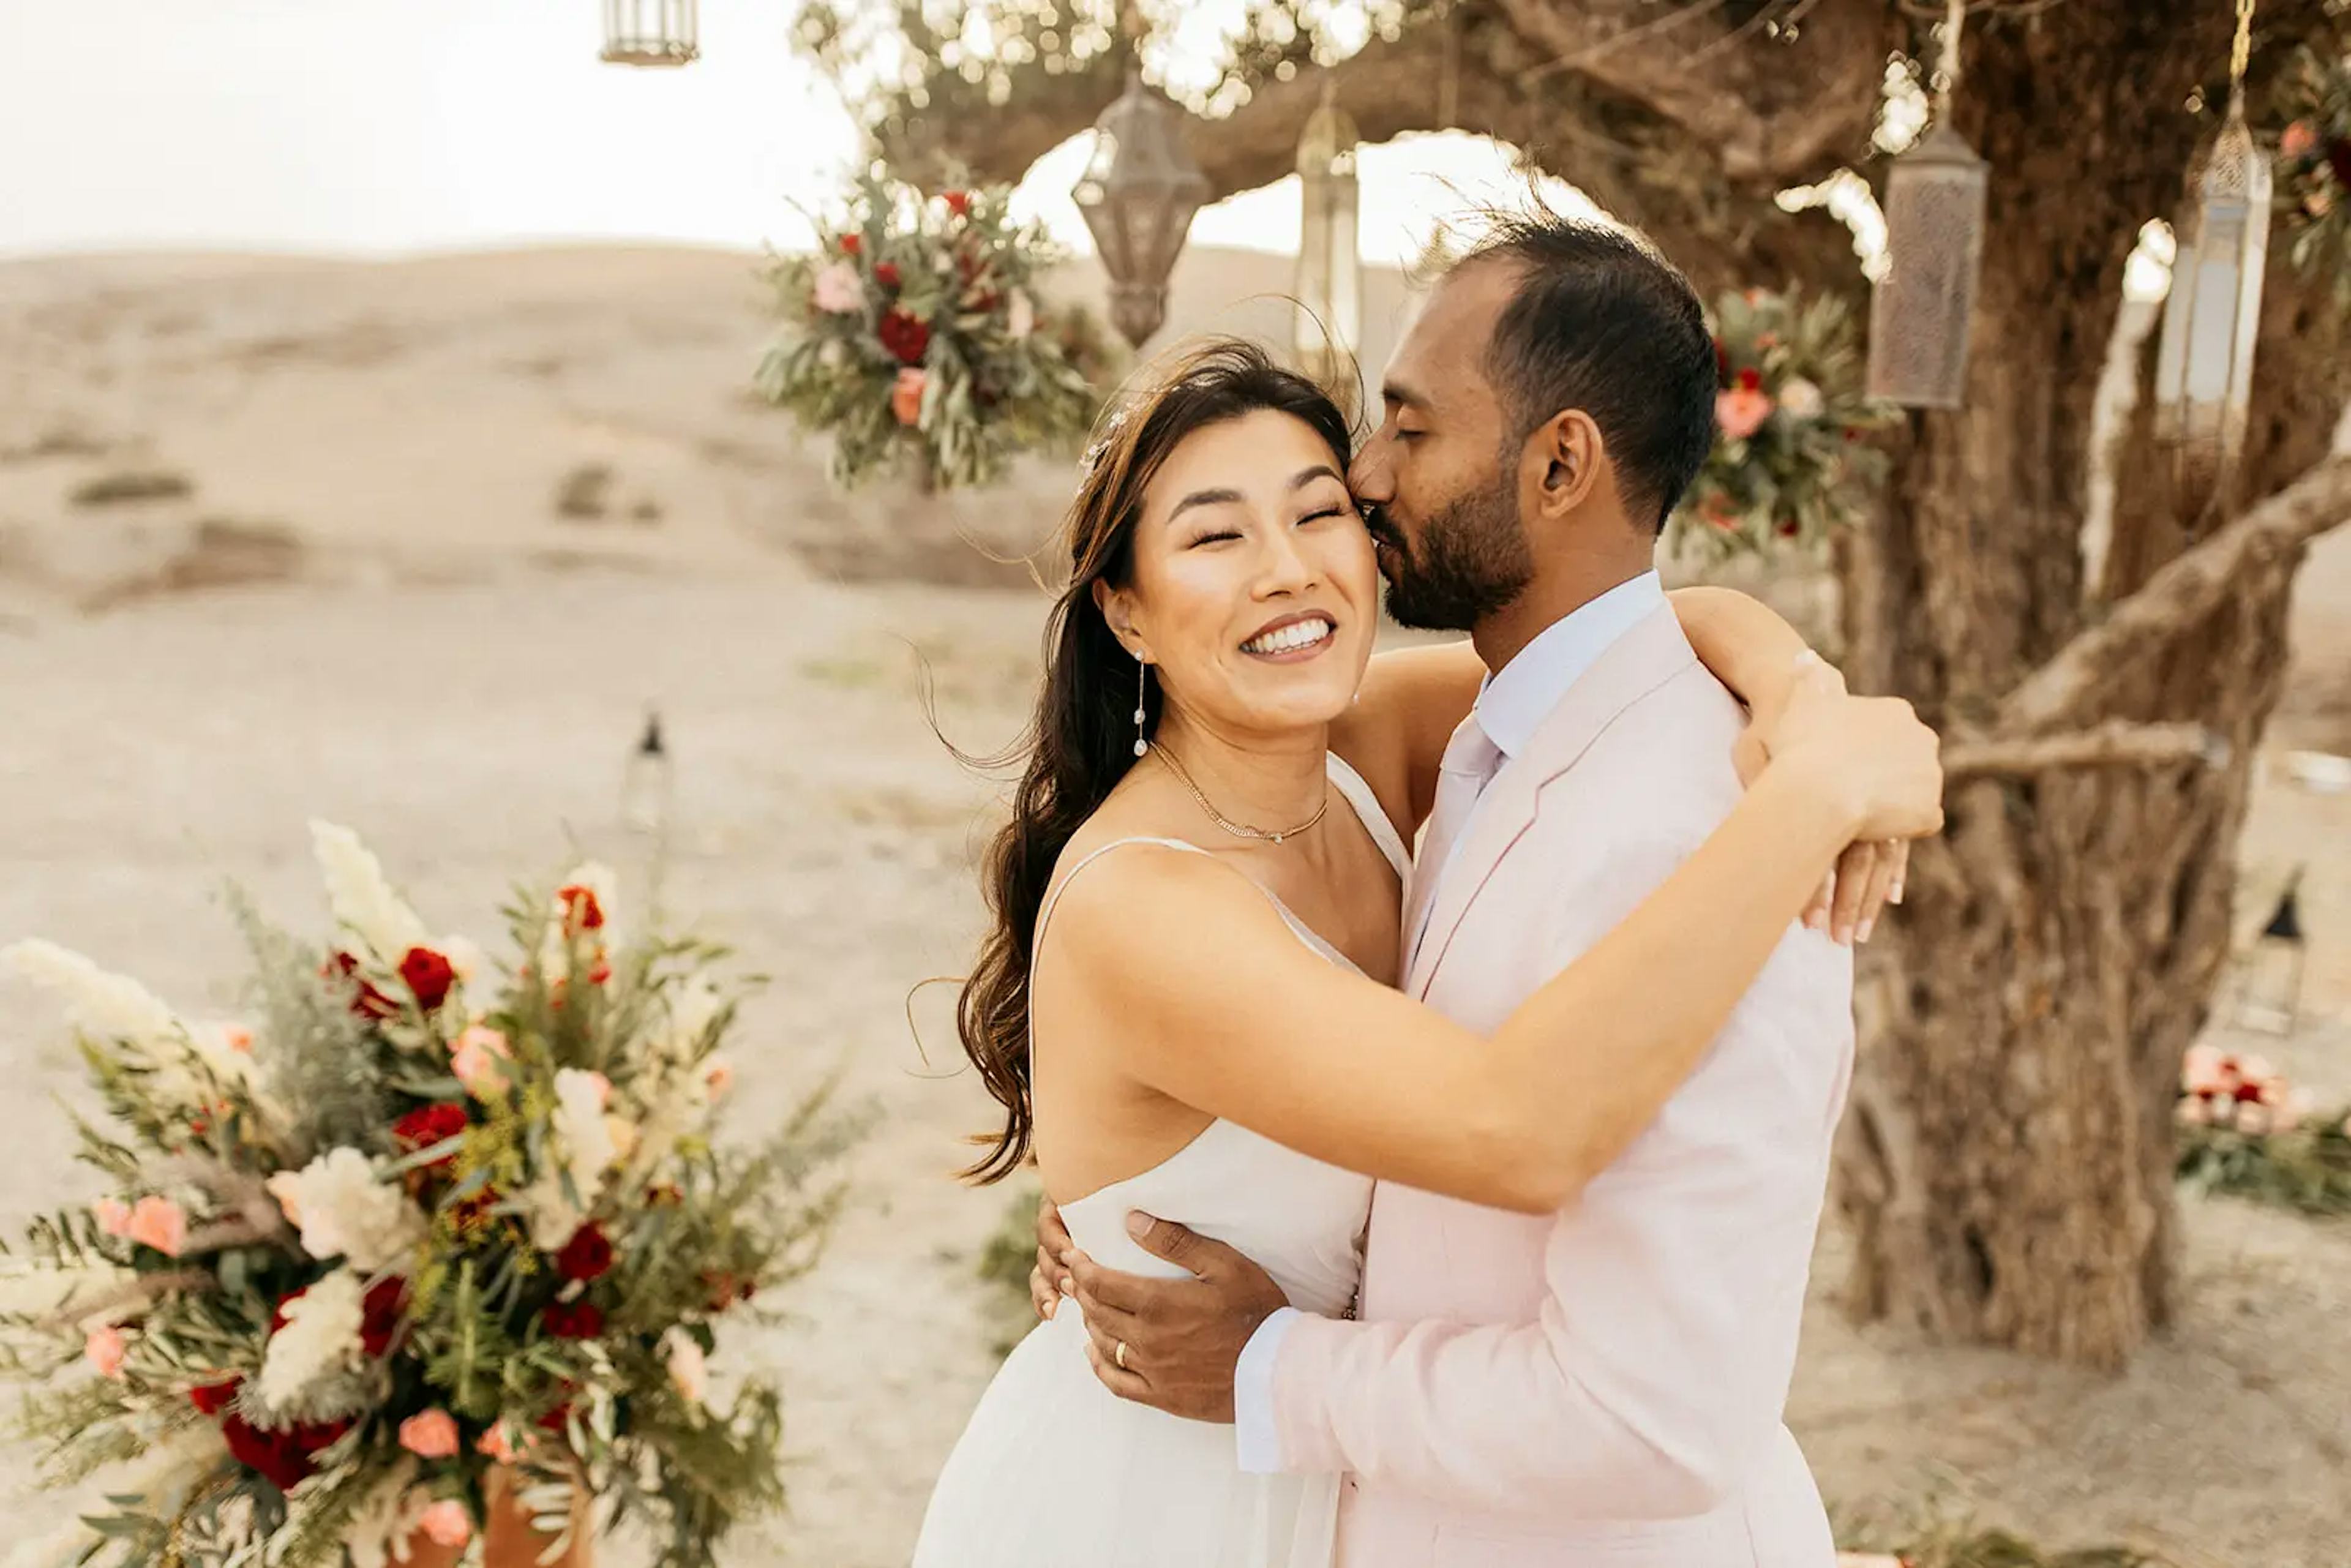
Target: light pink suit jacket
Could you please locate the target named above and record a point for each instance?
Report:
(1603, 1385)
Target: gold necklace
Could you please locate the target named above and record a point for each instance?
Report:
(1238, 830)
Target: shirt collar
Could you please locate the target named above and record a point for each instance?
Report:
(1516, 699)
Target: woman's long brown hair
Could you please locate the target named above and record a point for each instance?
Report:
(1081, 740)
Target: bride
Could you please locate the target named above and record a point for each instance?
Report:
(1185, 1003)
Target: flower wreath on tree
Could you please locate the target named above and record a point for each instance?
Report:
(2313, 168)
(1788, 463)
(915, 331)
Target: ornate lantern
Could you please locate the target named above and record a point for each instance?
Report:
(1137, 195)
(650, 32)
(2272, 995)
(2204, 368)
(1922, 309)
(1330, 268)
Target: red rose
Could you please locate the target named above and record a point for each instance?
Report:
(282, 1457)
(213, 1399)
(1721, 362)
(587, 1256)
(885, 273)
(368, 1003)
(581, 912)
(1786, 527)
(852, 243)
(554, 1420)
(430, 1124)
(380, 1312)
(428, 975)
(1751, 381)
(906, 336)
(959, 202)
(574, 1320)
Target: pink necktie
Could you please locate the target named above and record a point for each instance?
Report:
(1471, 760)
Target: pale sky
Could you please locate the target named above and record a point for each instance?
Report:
(386, 127)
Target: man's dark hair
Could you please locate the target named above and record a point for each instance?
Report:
(1600, 321)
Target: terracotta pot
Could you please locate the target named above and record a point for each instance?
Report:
(509, 1541)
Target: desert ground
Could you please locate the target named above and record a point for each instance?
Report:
(414, 547)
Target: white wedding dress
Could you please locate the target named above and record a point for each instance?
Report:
(1054, 1471)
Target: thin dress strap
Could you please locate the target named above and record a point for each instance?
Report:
(1372, 814)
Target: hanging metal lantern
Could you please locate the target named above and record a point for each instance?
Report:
(2204, 368)
(1922, 310)
(1137, 195)
(1330, 324)
(2272, 994)
(650, 32)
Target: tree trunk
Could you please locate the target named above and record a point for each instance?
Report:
(2007, 1165)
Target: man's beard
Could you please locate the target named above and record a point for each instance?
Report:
(1471, 561)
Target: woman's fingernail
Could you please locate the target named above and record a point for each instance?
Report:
(1844, 934)
(1069, 1257)
(1138, 1225)
(1051, 1302)
(1068, 1287)
(1868, 926)
(1894, 893)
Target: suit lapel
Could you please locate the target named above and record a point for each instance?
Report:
(1635, 664)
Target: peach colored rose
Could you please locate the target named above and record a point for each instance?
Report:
(105, 1350)
(2301, 140)
(237, 1038)
(475, 1056)
(603, 1087)
(160, 1223)
(495, 1444)
(2253, 1121)
(113, 1216)
(2206, 1071)
(718, 1075)
(1741, 411)
(2194, 1111)
(906, 396)
(430, 1435)
(446, 1523)
(839, 290)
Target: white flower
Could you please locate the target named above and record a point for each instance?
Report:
(1022, 314)
(226, 1052)
(552, 1215)
(1800, 398)
(589, 1150)
(321, 1339)
(688, 1368)
(364, 902)
(343, 1211)
(379, 1531)
(466, 959)
(99, 1004)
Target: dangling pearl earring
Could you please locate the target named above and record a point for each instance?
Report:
(1142, 679)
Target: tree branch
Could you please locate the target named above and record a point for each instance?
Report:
(1771, 105)
(2179, 595)
(2108, 745)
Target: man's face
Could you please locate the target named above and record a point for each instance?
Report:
(1438, 481)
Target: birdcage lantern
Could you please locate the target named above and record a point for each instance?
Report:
(2270, 994)
(1330, 287)
(1138, 194)
(2204, 366)
(1923, 309)
(650, 32)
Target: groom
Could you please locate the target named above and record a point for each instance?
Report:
(1607, 1384)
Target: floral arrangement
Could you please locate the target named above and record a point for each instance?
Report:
(1791, 417)
(422, 1236)
(2244, 1130)
(915, 329)
(2313, 168)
